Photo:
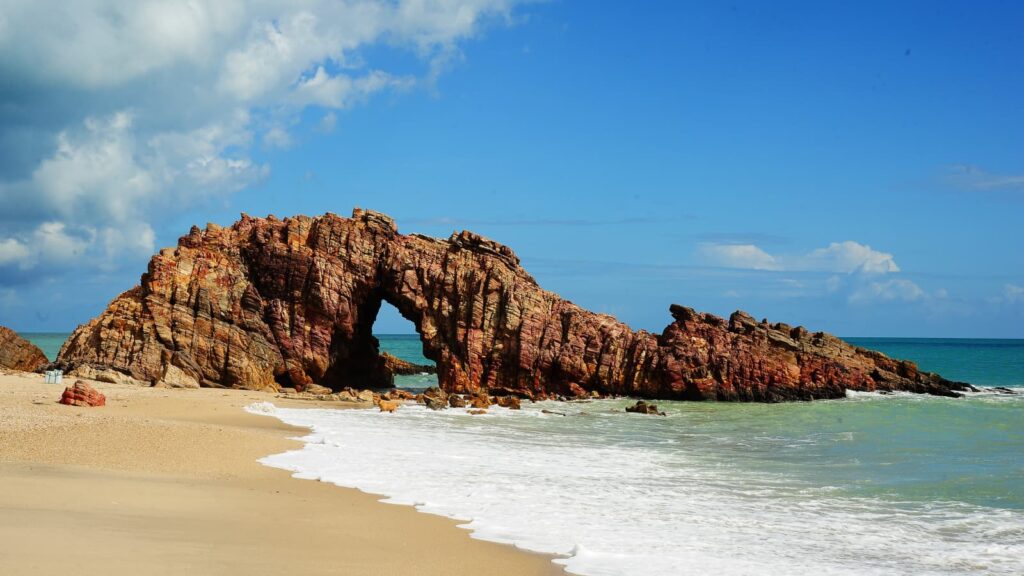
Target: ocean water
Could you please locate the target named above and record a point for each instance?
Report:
(869, 484)
(409, 348)
(984, 362)
(48, 342)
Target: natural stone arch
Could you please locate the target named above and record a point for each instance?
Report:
(269, 302)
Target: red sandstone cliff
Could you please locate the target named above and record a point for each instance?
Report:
(17, 353)
(268, 302)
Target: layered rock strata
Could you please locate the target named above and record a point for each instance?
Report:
(270, 303)
(82, 394)
(16, 353)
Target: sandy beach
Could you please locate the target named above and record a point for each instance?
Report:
(167, 482)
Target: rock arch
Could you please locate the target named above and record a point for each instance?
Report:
(267, 303)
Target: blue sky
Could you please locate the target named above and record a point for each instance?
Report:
(857, 169)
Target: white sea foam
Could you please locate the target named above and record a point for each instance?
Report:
(617, 494)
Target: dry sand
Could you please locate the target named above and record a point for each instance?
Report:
(166, 482)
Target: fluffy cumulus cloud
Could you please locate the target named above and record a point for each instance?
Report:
(857, 271)
(113, 111)
(846, 257)
(745, 256)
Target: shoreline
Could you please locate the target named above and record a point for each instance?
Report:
(167, 481)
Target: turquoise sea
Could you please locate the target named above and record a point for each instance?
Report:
(869, 484)
(980, 361)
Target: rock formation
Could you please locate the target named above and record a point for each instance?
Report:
(16, 353)
(81, 394)
(396, 366)
(270, 303)
(642, 407)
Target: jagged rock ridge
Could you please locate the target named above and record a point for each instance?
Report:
(268, 303)
(16, 353)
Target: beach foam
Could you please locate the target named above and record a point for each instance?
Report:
(619, 494)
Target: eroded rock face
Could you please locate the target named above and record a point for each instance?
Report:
(16, 353)
(268, 303)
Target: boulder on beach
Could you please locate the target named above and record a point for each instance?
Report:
(82, 394)
(16, 353)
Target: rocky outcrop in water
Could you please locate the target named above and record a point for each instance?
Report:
(270, 303)
(642, 407)
(16, 353)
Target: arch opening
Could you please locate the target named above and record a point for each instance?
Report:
(398, 337)
(382, 349)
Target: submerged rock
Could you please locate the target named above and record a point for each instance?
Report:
(642, 407)
(510, 402)
(480, 401)
(435, 398)
(16, 353)
(270, 303)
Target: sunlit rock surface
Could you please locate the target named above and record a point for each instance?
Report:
(270, 303)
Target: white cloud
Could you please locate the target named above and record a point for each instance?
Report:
(856, 271)
(745, 256)
(49, 244)
(12, 251)
(328, 123)
(833, 283)
(1013, 294)
(93, 44)
(94, 171)
(53, 243)
(277, 137)
(97, 191)
(971, 177)
(898, 289)
(152, 106)
(846, 257)
(341, 91)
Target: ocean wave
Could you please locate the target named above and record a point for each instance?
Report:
(607, 493)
